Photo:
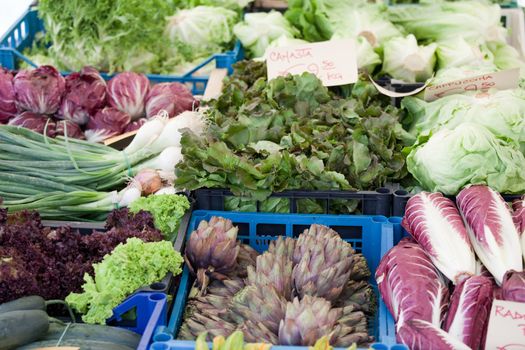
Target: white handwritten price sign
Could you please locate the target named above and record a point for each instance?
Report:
(334, 62)
(507, 79)
(506, 326)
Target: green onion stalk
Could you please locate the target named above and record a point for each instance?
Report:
(74, 179)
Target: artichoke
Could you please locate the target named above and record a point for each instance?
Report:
(284, 245)
(324, 263)
(307, 320)
(247, 257)
(255, 293)
(226, 288)
(273, 270)
(351, 328)
(195, 325)
(315, 233)
(212, 250)
(257, 332)
(360, 295)
(259, 305)
(360, 270)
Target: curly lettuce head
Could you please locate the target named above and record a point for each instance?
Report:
(129, 267)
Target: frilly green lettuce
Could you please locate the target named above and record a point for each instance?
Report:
(167, 211)
(129, 267)
(469, 154)
(405, 60)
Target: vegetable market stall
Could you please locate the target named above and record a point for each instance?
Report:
(239, 203)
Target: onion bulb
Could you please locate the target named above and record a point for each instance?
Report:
(149, 180)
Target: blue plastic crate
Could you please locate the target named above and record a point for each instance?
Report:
(370, 235)
(22, 35)
(151, 310)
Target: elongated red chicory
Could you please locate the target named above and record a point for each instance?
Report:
(422, 335)
(513, 286)
(39, 90)
(127, 92)
(435, 223)
(469, 310)
(85, 95)
(7, 96)
(411, 286)
(135, 125)
(174, 98)
(36, 122)
(108, 122)
(71, 129)
(491, 230)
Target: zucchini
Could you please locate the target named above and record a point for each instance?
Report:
(81, 343)
(81, 331)
(33, 302)
(22, 327)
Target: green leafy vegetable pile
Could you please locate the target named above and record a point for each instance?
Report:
(166, 209)
(454, 39)
(111, 35)
(130, 266)
(468, 139)
(293, 133)
(136, 35)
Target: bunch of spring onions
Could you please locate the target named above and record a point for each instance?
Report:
(70, 179)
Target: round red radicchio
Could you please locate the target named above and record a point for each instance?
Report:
(135, 125)
(108, 122)
(7, 96)
(85, 94)
(39, 90)
(127, 92)
(73, 130)
(36, 122)
(174, 98)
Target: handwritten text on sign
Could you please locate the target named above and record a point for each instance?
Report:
(506, 326)
(507, 79)
(334, 61)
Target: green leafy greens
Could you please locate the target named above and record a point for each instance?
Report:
(112, 35)
(293, 133)
(166, 209)
(128, 267)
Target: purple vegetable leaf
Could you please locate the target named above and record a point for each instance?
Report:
(39, 90)
(513, 286)
(491, 229)
(411, 286)
(435, 223)
(422, 335)
(127, 92)
(469, 310)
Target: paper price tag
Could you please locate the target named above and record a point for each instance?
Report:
(507, 79)
(506, 329)
(334, 62)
